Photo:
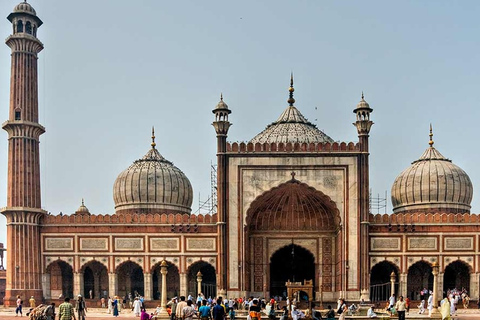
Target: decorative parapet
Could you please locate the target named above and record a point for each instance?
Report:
(420, 218)
(249, 147)
(131, 218)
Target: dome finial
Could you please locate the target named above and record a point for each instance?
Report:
(363, 97)
(221, 96)
(83, 202)
(431, 137)
(290, 100)
(153, 138)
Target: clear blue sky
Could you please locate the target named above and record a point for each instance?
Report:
(112, 69)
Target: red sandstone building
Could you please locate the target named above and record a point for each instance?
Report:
(293, 205)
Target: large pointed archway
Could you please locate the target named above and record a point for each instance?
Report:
(130, 279)
(419, 277)
(291, 217)
(61, 279)
(380, 281)
(95, 280)
(456, 276)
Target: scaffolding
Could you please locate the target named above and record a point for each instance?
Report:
(209, 206)
(377, 204)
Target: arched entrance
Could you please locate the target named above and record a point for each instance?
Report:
(95, 280)
(173, 281)
(457, 275)
(419, 277)
(291, 263)
(130, 279)
(292, 210)
(380, 285)
(209, 279)
(61, 280)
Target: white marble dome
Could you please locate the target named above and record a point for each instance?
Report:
(432, 184)
(152, 184)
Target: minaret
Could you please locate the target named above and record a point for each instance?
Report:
(23, 211)
(363, 125)
(221, 125)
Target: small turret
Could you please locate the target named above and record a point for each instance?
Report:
(221, 123)
(363, 122)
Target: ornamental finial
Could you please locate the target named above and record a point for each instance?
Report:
(153, 138)
(363, 96)
(290, 100)
(431, 136)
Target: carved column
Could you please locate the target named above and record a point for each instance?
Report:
(435, 268)
(148, 285)
(163, 302)
(402, 286)
(199, 282)
(112, 284)
(392, 282)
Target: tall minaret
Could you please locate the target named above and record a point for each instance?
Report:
(363, 125)
(221, 125)
(23, 211)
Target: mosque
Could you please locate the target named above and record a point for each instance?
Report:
(292, 210)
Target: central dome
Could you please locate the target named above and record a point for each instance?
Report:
(292, 127)
(152, 184)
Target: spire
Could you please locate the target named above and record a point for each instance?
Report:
(221, 96)
(290, 100)
(363, 97)
(83, 202)
(431, 137)
(153, 138)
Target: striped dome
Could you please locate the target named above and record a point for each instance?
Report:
(432, 184)
(152, 184)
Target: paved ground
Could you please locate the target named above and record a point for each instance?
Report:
(101, 314)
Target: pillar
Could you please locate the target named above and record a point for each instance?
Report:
(392, 283)
(46, 285)
(148, 285)
(163, 302)
(199, 282)
(474, 283)
(183, 284)
(112, 284)
(78, 284)
(435, 268)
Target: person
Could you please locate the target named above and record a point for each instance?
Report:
(218, 311)
(188, 312)
(102, 302)
(401, 307)
(344, 312)
(231, 313)
(19, 307)
(430, 304)
(341, 305)
(115, 306)
(65, 310)
(271, 312)
(453, 304)
(144, 315)
(421, 307)
(316, 315)
(407, 304)
(330, 313)
(255, 310)
(173, 307)
(445, 309)
(391, 303)
(80, 307)
(137, 307)
(32, 302)
(110, 304)
(297, 314)
(49, 311)
(204, 311)
(371, 313)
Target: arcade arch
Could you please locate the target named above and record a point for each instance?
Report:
(130, 279)
(95, 280)
(380, 285)
(173, 281)
(61, 279)
(419, 277)
(209, 279)
(456, 275)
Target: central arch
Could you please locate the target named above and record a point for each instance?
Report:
(291, 263)
(291, 210)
